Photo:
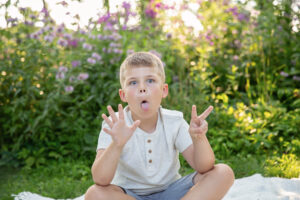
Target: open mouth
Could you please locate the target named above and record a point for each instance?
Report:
(145, 105)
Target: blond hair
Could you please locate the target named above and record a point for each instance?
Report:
(142, 59)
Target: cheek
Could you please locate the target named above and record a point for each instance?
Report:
(130, 94)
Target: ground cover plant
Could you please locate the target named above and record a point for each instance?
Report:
(56, 82)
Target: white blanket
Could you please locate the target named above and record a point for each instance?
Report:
(255, 187)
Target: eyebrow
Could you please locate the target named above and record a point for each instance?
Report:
(147, 76)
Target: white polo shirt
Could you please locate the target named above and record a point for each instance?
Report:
(149, 161)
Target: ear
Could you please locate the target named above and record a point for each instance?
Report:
(122, 95)
(165, 90)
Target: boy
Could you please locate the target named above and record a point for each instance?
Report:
(137, 153)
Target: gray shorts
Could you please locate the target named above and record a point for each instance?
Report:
(175, 191)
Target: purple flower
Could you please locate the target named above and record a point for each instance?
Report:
(60, 75)
(83, 76)
(75, 63)
(91, 36)
(72, 79)
(235, 57)
(104, 18)
(45, 11)
(62, 69)
(69, 88)
(32, 16)
(22, 9)
(73, 43)
(67, 36)
(87, 46)
(115, 36)
(119, 51)
(126, 5)
(159, 5)
(62, 42)
(150, 13)
(155, 53)
(284, 74)
(91, 61)
(61, 28)
(233, 10)
(48, 38)
(243, 17)
(108, 26)
(96, 56)
(28, 23)
(169, 35)
(82, 32)
(112, 44)
(100, 37)
(130, 51)
(34, 36)
(296, 78)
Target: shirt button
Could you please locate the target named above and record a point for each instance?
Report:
(150, 161)
(149, 141)
(150, 151)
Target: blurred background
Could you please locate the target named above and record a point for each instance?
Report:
(59, 63)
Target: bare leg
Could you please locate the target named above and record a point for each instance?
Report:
(214, 184)
(110, 192)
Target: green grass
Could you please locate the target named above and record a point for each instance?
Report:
(57, 180)
(72, 178)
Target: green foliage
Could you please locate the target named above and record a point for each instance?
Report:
(287, 166)
(55, 82)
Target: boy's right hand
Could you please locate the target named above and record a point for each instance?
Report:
(119, 131)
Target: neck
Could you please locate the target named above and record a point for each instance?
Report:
(147, 124)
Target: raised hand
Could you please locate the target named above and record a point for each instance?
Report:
(119, 130)
(198, 124)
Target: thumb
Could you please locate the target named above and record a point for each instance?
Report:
(135, 125)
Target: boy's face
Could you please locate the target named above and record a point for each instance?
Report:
(143, 90)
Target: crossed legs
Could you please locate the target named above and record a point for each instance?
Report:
(212, 185)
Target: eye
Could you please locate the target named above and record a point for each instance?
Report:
(132, 83)
(150, 80)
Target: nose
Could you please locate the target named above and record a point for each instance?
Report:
(142, 88)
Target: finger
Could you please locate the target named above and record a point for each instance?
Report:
(112, 114)
(194, 113)
(121, 111)
(135, 125)
(107, 120)
(205, 114)
(109, 132)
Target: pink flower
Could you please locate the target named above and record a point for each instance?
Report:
(87, 46)
(150, 13)
(91, 61)
(62, 69)
(60, 75)
(83, 76)
(284, 74)
(69, 88)
(96, 56)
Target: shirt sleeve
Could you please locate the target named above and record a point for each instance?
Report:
(104, 139)
(183, 139)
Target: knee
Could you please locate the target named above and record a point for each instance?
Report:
(224, 171)
(95, 192)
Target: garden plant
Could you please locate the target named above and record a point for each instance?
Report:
(56, 82)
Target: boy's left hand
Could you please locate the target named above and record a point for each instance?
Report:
(198, 124)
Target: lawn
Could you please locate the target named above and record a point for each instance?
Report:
(72, 178)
